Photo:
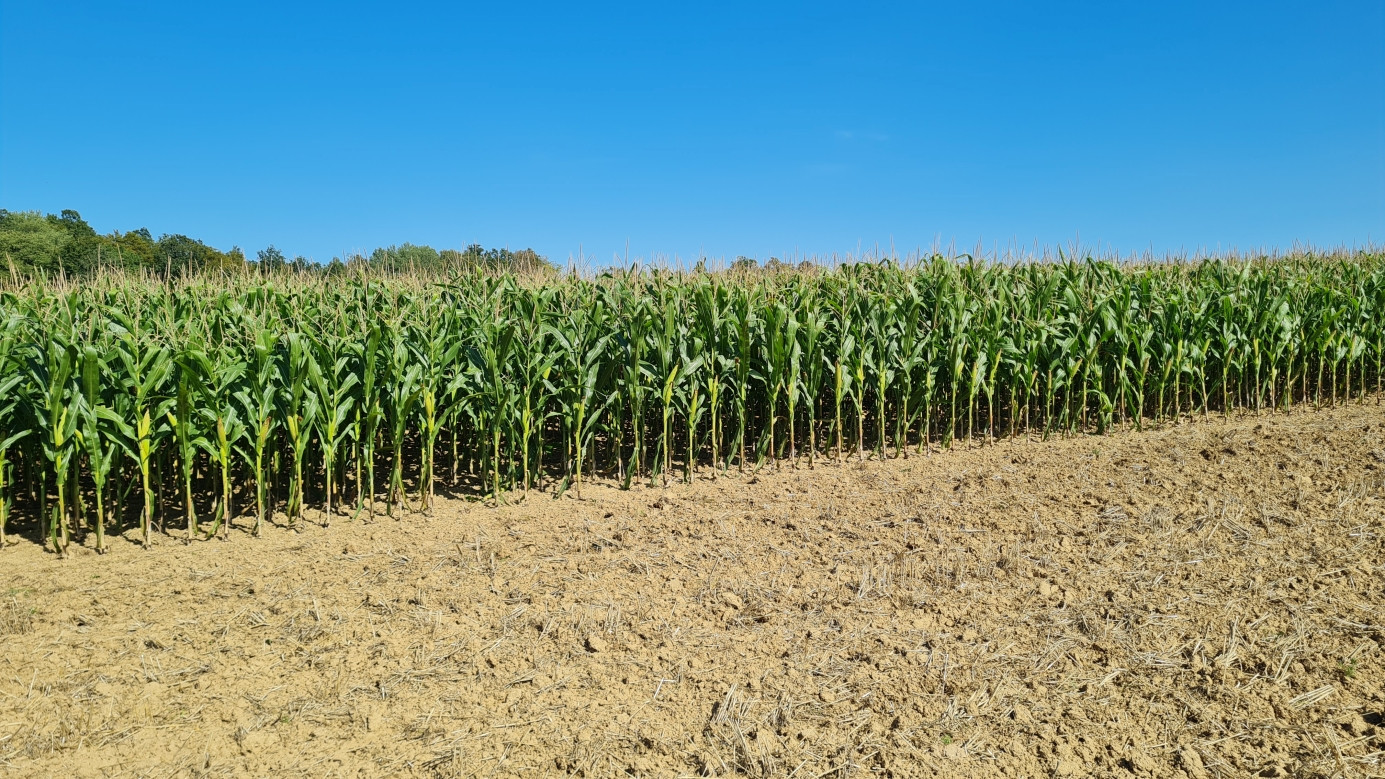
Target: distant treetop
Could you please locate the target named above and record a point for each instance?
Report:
(409, 258)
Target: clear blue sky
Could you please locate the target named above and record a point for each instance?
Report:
(725, 129)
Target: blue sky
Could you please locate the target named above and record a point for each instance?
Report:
(718, 129)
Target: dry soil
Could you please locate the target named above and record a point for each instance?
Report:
(1202, 600)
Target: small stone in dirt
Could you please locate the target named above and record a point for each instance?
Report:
(826, 697)
(1045, 589)
(733, 600)
(1021, 715)
(596, 644)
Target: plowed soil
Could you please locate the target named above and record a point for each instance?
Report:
(1202, 600)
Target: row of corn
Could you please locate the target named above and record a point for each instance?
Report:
(130, 404)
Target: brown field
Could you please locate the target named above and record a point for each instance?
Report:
(1205, 600)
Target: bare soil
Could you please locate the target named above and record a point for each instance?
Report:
(1202, 600)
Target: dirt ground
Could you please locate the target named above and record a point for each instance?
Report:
(1206, 600)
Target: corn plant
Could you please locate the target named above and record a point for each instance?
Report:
(145, 367)
(12, 401)
(334, 385)
(57, 416)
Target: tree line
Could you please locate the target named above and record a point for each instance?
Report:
(38, 245)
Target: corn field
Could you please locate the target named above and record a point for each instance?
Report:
(129, 404)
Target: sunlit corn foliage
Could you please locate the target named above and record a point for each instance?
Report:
(132, 405)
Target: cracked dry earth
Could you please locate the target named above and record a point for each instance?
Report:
(1202, 600)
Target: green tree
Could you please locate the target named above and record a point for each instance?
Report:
(30, 242)
(80, 253)
(270, 259)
